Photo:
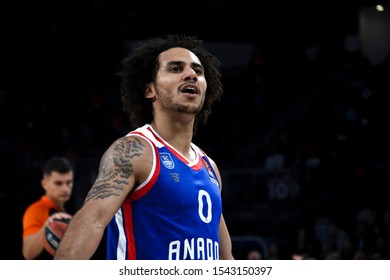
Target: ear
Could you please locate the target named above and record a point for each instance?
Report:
(150, 91)
(43, 183)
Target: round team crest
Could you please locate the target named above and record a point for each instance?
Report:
(167, 160)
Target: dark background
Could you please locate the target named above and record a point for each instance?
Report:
(291, 85)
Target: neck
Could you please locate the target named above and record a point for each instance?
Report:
(177, 134)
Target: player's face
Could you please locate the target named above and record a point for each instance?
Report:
(180, 83)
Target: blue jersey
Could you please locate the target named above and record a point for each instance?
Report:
(174, 214)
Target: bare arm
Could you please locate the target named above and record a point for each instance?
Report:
(225, 250)
(116, 177)
(33, 243)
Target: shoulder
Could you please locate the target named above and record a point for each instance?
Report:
(129, 152)
(203, 154)
(38, 210)
(39, 205)
(128, 146)
(216, 170)
(123, 165)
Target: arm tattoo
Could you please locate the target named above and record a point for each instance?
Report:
(115, 168)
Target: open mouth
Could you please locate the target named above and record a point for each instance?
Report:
(190, 89)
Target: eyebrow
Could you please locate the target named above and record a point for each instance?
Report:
(179, 62)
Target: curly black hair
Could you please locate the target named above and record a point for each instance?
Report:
(140, 68)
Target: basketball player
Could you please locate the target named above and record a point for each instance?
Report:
(157, 193)
(57, 181)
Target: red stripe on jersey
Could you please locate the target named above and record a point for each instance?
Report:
(144, 190)
(128, 225)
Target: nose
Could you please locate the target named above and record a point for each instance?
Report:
(190, 74)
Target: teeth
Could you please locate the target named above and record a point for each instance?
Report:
(190, 89)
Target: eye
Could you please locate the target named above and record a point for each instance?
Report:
(175, 69)
(198, 71)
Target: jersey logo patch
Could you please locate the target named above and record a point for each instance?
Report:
(211, 174)
(167, 160)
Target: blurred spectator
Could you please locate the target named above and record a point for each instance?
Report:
(254, 254)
